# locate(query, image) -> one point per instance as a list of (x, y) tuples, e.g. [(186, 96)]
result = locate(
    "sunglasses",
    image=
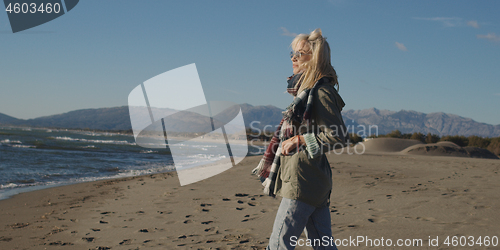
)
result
[(297, 54)]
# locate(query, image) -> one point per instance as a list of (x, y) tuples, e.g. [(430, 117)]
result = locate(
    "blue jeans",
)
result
[(292, 217)]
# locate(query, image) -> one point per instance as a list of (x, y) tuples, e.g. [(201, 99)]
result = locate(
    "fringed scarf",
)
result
[(298, 112)]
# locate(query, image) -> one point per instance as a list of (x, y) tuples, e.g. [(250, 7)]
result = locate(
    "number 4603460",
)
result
[(33, 8)]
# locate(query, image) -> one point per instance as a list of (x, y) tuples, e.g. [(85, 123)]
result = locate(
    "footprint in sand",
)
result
[(163, 212), (425, 218), (126, 242), (88, 239), (248, 219)]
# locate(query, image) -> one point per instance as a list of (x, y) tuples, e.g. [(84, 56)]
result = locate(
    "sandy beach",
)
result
[(394, 196)]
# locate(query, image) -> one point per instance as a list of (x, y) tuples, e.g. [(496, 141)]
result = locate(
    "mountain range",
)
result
[(258, 117), (409, 121)]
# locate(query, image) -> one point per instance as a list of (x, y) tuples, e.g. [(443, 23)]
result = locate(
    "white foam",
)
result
[(148, 152), (23, 146), (9, 185), (11, 142), (66, 138)]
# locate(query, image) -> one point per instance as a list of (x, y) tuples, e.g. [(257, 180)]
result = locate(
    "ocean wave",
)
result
[(205, 146), (88, 133), (12, 185), (15, 144), (148, 152), (66, 138), (9, 185), (23, 146), (7, 141), (154, 169), (207, 156)]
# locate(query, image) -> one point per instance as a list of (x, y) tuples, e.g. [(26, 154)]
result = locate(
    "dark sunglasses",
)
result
[(297, 54)]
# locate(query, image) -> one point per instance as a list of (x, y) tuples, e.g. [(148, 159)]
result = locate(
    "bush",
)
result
[(395, 134), (418, 136), (480, 142), (494, 145), (431, 138), (355, 138)]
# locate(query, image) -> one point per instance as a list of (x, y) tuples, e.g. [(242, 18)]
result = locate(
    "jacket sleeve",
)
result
[(328, 130)]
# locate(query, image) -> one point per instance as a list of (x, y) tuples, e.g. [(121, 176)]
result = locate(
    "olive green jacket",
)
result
[(306, 175)]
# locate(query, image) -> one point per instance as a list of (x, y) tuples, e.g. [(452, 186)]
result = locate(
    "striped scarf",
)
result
[(297, 113)]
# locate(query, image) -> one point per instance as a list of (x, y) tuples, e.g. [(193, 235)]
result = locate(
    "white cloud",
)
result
[(473, 23), (401, 46), (491, 36), (287, 33), (446, 21)]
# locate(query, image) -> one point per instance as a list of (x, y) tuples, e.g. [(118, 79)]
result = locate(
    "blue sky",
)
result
[(427, 56)]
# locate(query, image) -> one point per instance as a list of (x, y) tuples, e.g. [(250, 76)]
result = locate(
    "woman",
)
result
[(295, 165)]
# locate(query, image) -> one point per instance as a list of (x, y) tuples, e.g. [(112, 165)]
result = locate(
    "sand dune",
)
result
[(387, 144), (414, 147), (448, 149)]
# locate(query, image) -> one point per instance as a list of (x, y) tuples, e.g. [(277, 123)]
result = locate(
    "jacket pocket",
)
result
[(290, 164)]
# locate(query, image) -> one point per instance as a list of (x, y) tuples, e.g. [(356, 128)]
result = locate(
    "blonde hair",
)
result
[(320, 65)]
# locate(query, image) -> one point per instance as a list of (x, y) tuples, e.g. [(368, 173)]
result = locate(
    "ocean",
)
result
[(35, 158)]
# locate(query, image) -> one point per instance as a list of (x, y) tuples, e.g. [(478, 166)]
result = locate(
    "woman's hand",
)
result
[(292, 143)]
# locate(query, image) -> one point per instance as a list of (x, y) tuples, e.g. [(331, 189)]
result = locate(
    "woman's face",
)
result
[(298, 60)]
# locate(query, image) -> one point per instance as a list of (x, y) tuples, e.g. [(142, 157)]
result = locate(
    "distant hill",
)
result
[(406, 121), (102, 118), (5, 119), (263, 116)]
